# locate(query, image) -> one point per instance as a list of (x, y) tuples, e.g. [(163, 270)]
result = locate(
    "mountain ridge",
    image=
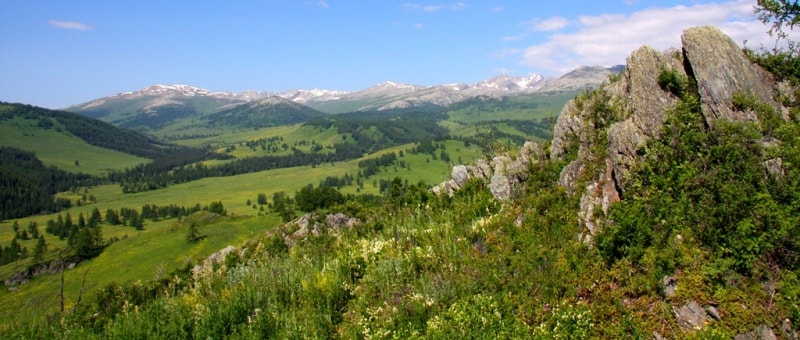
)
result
[(386, 95)]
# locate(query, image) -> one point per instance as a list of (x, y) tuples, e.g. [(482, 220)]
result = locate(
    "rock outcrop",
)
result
[(604, 132), (721, 69), (502, 174), (626, 113)]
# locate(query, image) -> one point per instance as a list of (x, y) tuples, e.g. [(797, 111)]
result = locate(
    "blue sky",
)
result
[(59, 53)]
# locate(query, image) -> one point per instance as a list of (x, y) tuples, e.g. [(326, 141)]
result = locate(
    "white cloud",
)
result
[(516, 37), (70, 25), (608, 39), (323, 3), (538, 25), (498, 9), (552, 24)]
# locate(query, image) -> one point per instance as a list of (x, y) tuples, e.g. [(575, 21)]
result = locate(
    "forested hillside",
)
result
[(93, 131), (28, 186)]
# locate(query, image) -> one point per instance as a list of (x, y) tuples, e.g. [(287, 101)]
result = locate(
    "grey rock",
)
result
[(589, 201), (722, 69), (339, 220), (460, 175), (207, 265), (762, 332), (503, 175), (775, 167), (690, 316), (670, 286), (713, 313), (569, 174), (640, 107), (646, 106), (500, 187), (569, 126), (786, 328)]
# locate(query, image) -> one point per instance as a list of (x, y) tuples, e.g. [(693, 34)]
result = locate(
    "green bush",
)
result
[(672, 82)]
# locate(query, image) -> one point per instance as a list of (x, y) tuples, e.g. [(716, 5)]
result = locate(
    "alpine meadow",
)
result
[(657, 199)]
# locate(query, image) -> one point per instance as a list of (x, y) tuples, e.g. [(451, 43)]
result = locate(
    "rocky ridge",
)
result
[(708, 58), (602, 134)]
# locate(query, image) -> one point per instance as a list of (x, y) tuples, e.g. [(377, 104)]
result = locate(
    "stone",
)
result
[(670, 286), (339, 220), (205, 267), (761, 332), (647, 105), (713, 313), (460, 175), (500, 187), (786, 328), (775, 167), (690, 316), (568, 126)]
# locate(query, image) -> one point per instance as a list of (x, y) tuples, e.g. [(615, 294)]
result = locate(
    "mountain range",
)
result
[(175, 101)]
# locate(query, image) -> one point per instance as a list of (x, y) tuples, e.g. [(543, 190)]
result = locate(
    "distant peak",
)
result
[(394, 84), (176, 88)]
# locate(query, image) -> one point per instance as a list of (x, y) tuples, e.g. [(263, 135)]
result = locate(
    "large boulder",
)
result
[(721, 69)]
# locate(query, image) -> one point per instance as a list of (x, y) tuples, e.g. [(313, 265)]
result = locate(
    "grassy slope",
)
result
[(61, 149), (162, 247), (533, 107)]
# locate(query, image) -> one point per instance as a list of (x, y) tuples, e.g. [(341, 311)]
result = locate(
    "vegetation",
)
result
[(27, 186), (714, 208), (93, 131)]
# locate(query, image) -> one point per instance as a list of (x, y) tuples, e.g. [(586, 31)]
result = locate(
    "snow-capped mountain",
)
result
[(389, 94), (508, 84), (304, 96)]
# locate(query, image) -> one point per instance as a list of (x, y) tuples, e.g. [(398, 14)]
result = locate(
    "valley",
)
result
[(450, 135), (661, 201)]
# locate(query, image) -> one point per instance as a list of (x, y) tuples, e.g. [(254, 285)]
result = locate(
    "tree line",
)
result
[(27, 185)]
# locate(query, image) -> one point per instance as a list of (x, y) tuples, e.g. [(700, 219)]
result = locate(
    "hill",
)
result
[(92, 131), (269, 112)]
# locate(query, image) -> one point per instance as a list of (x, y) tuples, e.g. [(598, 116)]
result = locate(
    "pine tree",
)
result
[(39, 250), (194, 233)]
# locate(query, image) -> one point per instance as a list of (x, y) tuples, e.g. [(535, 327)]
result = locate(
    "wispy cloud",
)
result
[(538, 25), (417, 25), (69, 25), (505, 53), (435, 8), (323, 3), (609, 38), (551, 24), (498, 9)]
